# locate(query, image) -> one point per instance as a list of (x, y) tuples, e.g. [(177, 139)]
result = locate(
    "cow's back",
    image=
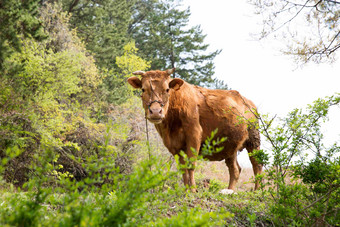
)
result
[(229, 112)]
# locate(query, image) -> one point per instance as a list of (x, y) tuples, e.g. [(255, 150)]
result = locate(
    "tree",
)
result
[(103, 25), (56, 73), (140, 10), (164, 38), (312, 26), (304, 171), (17, 19), (115, 87), (49, 104)]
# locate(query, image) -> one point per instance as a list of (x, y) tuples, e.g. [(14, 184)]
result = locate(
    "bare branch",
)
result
[(335, 2), (291, 19), (327, 49)]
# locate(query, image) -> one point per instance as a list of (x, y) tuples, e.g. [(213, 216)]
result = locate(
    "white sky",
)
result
[(257, 69)]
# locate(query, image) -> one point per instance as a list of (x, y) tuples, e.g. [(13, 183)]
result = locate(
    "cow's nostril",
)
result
[(160, 111), (150, 111)]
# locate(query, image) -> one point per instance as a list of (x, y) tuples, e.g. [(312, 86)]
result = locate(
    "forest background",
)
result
[(72, 133)]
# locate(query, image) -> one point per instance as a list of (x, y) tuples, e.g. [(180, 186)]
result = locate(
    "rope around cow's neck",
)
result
[(147, 137), (146, 120)]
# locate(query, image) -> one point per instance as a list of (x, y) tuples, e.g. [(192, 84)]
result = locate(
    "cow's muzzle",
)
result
[(155, 112)]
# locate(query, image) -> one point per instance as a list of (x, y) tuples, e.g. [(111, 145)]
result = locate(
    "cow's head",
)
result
[(157, 87)]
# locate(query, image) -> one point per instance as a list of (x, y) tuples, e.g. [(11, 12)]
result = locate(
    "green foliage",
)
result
[(209, 147), (133, 194), (102, 25), (49, 100), (24, 212), (261, 156), (215, 186), (316, 201), (69, 158), (164, 38), (74, 159), (47, 83), (18, 19), (212, 146), (252, 219), (159, 29), (63, 39), (116, 89), (316, 173), (129, 62), (196, 217), (125, 203), (47, 75)]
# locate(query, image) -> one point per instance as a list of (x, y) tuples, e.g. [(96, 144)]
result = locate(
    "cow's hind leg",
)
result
[(239, 167), (234, 171), (257, 167)]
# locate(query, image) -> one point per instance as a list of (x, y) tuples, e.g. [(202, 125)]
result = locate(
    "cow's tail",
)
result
[(253, 143), (254, 139)]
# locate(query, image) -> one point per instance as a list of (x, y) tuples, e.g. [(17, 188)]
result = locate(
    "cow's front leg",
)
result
[(193, 144), (188, 174), (185, 172), (191, 171), (192, 182)]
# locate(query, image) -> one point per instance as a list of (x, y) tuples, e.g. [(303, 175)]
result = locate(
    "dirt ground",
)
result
[(219, 171)]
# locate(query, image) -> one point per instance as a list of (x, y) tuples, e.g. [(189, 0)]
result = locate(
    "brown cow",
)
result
[(185, 115)]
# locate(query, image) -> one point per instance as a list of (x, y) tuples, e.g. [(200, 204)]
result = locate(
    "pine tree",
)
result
[(103, 25), (17, 18), (163, 36)]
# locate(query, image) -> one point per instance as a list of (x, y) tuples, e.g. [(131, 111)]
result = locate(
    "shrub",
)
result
[(305, 190)]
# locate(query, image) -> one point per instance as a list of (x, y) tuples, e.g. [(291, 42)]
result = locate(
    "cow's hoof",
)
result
[(227, 191), (193, 190)]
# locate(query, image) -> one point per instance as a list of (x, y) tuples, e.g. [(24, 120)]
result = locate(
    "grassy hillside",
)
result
[(73, 149)]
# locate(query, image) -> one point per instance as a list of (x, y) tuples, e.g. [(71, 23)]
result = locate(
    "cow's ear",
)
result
[(135, 82), (176, 83)]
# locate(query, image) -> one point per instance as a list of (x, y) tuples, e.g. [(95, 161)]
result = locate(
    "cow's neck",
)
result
[(171, 122)]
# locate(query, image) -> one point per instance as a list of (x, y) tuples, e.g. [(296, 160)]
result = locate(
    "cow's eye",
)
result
[(143, 89), (167, 90)]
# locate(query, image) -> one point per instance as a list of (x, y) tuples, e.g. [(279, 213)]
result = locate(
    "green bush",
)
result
[(303, 179), (137, 199)]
